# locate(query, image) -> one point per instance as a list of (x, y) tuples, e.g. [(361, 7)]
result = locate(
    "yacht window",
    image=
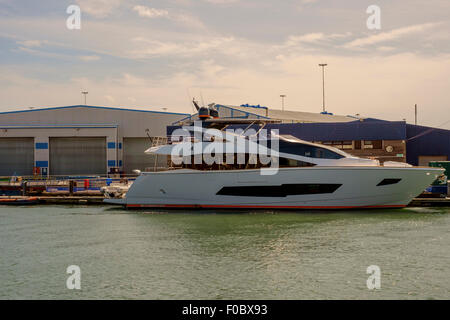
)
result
[(307, 150), (285, 162), (283, 190), (388, 181)]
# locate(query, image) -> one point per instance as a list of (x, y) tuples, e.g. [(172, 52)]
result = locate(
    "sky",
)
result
[(158, 55)]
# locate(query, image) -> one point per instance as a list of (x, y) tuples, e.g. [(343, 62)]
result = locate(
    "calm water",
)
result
[(223, 255)]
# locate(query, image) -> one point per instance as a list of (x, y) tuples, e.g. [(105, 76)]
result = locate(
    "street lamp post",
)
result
[(323, 65), (415, 114), (282, 101), (85, 94)]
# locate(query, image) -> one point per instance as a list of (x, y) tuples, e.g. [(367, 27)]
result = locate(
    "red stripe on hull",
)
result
[(214, 206)]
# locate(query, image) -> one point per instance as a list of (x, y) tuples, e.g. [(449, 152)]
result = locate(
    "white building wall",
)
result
[(131, 123), (112, 123)]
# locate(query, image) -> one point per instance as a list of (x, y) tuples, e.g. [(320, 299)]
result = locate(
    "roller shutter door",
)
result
[(16, 156), (77, 155), (135, 158)]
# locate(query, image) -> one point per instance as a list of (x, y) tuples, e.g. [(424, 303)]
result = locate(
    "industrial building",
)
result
[(362, 137), (80, 140), (91, 140)]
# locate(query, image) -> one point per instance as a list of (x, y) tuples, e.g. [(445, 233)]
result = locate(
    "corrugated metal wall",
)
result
[(77, 155), (135, 158), (16, 156)]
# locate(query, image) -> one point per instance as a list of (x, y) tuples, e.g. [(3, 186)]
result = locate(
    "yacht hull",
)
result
[(290, 188)]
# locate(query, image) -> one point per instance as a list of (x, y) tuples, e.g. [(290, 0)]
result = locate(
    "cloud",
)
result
[(147, 12), (390, 35), (383, 86), (181, 18), (31, 43), (98, 8), (150, 47), (221, 1), (89, 58), (314, 38), (304, 3), (110, 99)]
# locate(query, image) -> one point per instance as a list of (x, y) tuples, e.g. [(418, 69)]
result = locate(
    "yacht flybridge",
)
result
[(213, 167)]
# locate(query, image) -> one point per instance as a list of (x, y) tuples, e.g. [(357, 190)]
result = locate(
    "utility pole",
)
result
[(415, 114), (323, 65), (85, 94), (282, 101)]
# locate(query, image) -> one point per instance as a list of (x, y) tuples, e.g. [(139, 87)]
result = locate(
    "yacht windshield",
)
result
[(307, 150)]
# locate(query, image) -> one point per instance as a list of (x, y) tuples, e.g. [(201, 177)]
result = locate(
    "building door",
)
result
[(135, 158), (16, 156), (77, 156), (425, 160)]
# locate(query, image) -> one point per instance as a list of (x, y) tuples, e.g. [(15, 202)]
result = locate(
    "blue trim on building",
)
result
[(111, 145), (42, 164), (111, 163), (120, 145), (188, 117), (94, 107), (120, 163), (41, 145)]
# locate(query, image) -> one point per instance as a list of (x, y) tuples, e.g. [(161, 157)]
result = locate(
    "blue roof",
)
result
[(335, 131), (339, 131), (426, 141), (94, 107)]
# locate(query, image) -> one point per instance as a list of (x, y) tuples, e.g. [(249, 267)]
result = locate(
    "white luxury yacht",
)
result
[(298, 175)]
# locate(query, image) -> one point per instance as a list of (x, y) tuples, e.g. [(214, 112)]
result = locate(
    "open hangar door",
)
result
[(16, 156), (77, 155), (135, 158)]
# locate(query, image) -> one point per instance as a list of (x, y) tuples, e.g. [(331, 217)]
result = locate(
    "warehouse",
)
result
[(80, 140), (92, 140), (362, 137)]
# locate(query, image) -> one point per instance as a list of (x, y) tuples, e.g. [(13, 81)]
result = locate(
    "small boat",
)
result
[(115, 190), (19, 201)]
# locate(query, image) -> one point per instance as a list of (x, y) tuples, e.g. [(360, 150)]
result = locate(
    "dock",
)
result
[(89, 192), (82, 200), (430, 202), (97, 199)]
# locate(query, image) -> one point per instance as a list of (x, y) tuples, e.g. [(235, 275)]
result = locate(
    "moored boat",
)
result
[(299, 175)]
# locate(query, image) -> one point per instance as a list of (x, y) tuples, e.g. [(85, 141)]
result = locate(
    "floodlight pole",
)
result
[(323, 65), (85, 94), (282, 101)]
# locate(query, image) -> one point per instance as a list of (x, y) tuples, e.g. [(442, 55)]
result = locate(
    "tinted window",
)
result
[(283, 190), (307, 150)]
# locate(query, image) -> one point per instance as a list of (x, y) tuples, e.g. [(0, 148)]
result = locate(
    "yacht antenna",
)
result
[(201, 96), (189, 98), (195, 104)]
